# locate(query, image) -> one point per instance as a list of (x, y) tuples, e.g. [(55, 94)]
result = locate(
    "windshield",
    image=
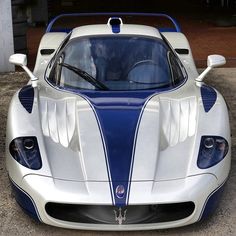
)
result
[(115, 63)]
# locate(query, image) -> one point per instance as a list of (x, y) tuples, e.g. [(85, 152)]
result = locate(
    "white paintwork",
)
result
[(212, 62), (48, 41), (124, 30), (71, 143), (44, 189), (18, 59), (179, 41), (21, 60), (58, 120), (168, 125), (6, 32), (117, 18), (215, 60), (73, 138)]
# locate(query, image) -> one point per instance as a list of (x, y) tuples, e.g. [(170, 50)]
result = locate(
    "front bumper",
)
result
[(196, 189)]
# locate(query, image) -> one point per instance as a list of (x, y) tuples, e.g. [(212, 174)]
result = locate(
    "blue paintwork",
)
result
[(167, 29), (118, 117), (26, 97), (120, 191), (110, 14), (115, 27), (212, 202), (25, 201), (209, 97), (118, 114)]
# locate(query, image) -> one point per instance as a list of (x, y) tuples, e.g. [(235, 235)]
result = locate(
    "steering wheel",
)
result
[(140, 63)]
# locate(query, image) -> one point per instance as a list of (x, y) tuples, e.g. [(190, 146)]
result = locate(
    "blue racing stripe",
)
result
[(116, 29), (118, 114), (118, 117)]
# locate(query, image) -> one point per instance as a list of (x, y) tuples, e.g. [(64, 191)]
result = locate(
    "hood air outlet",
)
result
[(115, 23)]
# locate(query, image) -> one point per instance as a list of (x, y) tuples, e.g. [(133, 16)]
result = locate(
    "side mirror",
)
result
[(18, 59), (215, 61), (212, 62), (21, 60)]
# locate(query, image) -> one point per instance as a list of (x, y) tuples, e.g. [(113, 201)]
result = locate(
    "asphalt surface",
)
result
[(13, 221)]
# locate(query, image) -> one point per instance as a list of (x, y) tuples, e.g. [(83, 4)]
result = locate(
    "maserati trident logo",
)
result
[(120, 215), (120, 191)]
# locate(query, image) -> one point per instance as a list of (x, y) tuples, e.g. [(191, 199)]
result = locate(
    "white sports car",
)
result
[(116, 130)]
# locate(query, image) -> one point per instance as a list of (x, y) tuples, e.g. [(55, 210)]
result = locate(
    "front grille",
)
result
[(133, 214)]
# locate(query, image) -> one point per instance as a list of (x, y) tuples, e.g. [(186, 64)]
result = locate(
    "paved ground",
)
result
[(14, 222)]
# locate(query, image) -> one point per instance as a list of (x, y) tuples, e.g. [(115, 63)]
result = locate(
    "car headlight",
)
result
[(212, 150), (25, 150)]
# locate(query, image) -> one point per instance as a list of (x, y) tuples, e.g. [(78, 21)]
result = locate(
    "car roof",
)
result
[(106, 29)]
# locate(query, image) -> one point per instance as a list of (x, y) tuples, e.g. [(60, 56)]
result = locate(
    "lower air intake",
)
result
[(133, 214)]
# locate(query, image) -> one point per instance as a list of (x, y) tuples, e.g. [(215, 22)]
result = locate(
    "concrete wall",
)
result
[(6, 36)]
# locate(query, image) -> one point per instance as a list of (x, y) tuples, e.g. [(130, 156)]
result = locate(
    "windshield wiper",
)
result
[(83, 74)]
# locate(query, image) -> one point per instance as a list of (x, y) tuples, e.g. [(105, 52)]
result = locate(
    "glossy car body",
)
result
[(144, 146)]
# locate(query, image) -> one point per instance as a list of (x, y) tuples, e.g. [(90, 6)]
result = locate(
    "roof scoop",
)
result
[(115, 23)]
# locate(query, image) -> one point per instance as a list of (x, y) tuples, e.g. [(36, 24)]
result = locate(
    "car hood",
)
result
[(119, 139)]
